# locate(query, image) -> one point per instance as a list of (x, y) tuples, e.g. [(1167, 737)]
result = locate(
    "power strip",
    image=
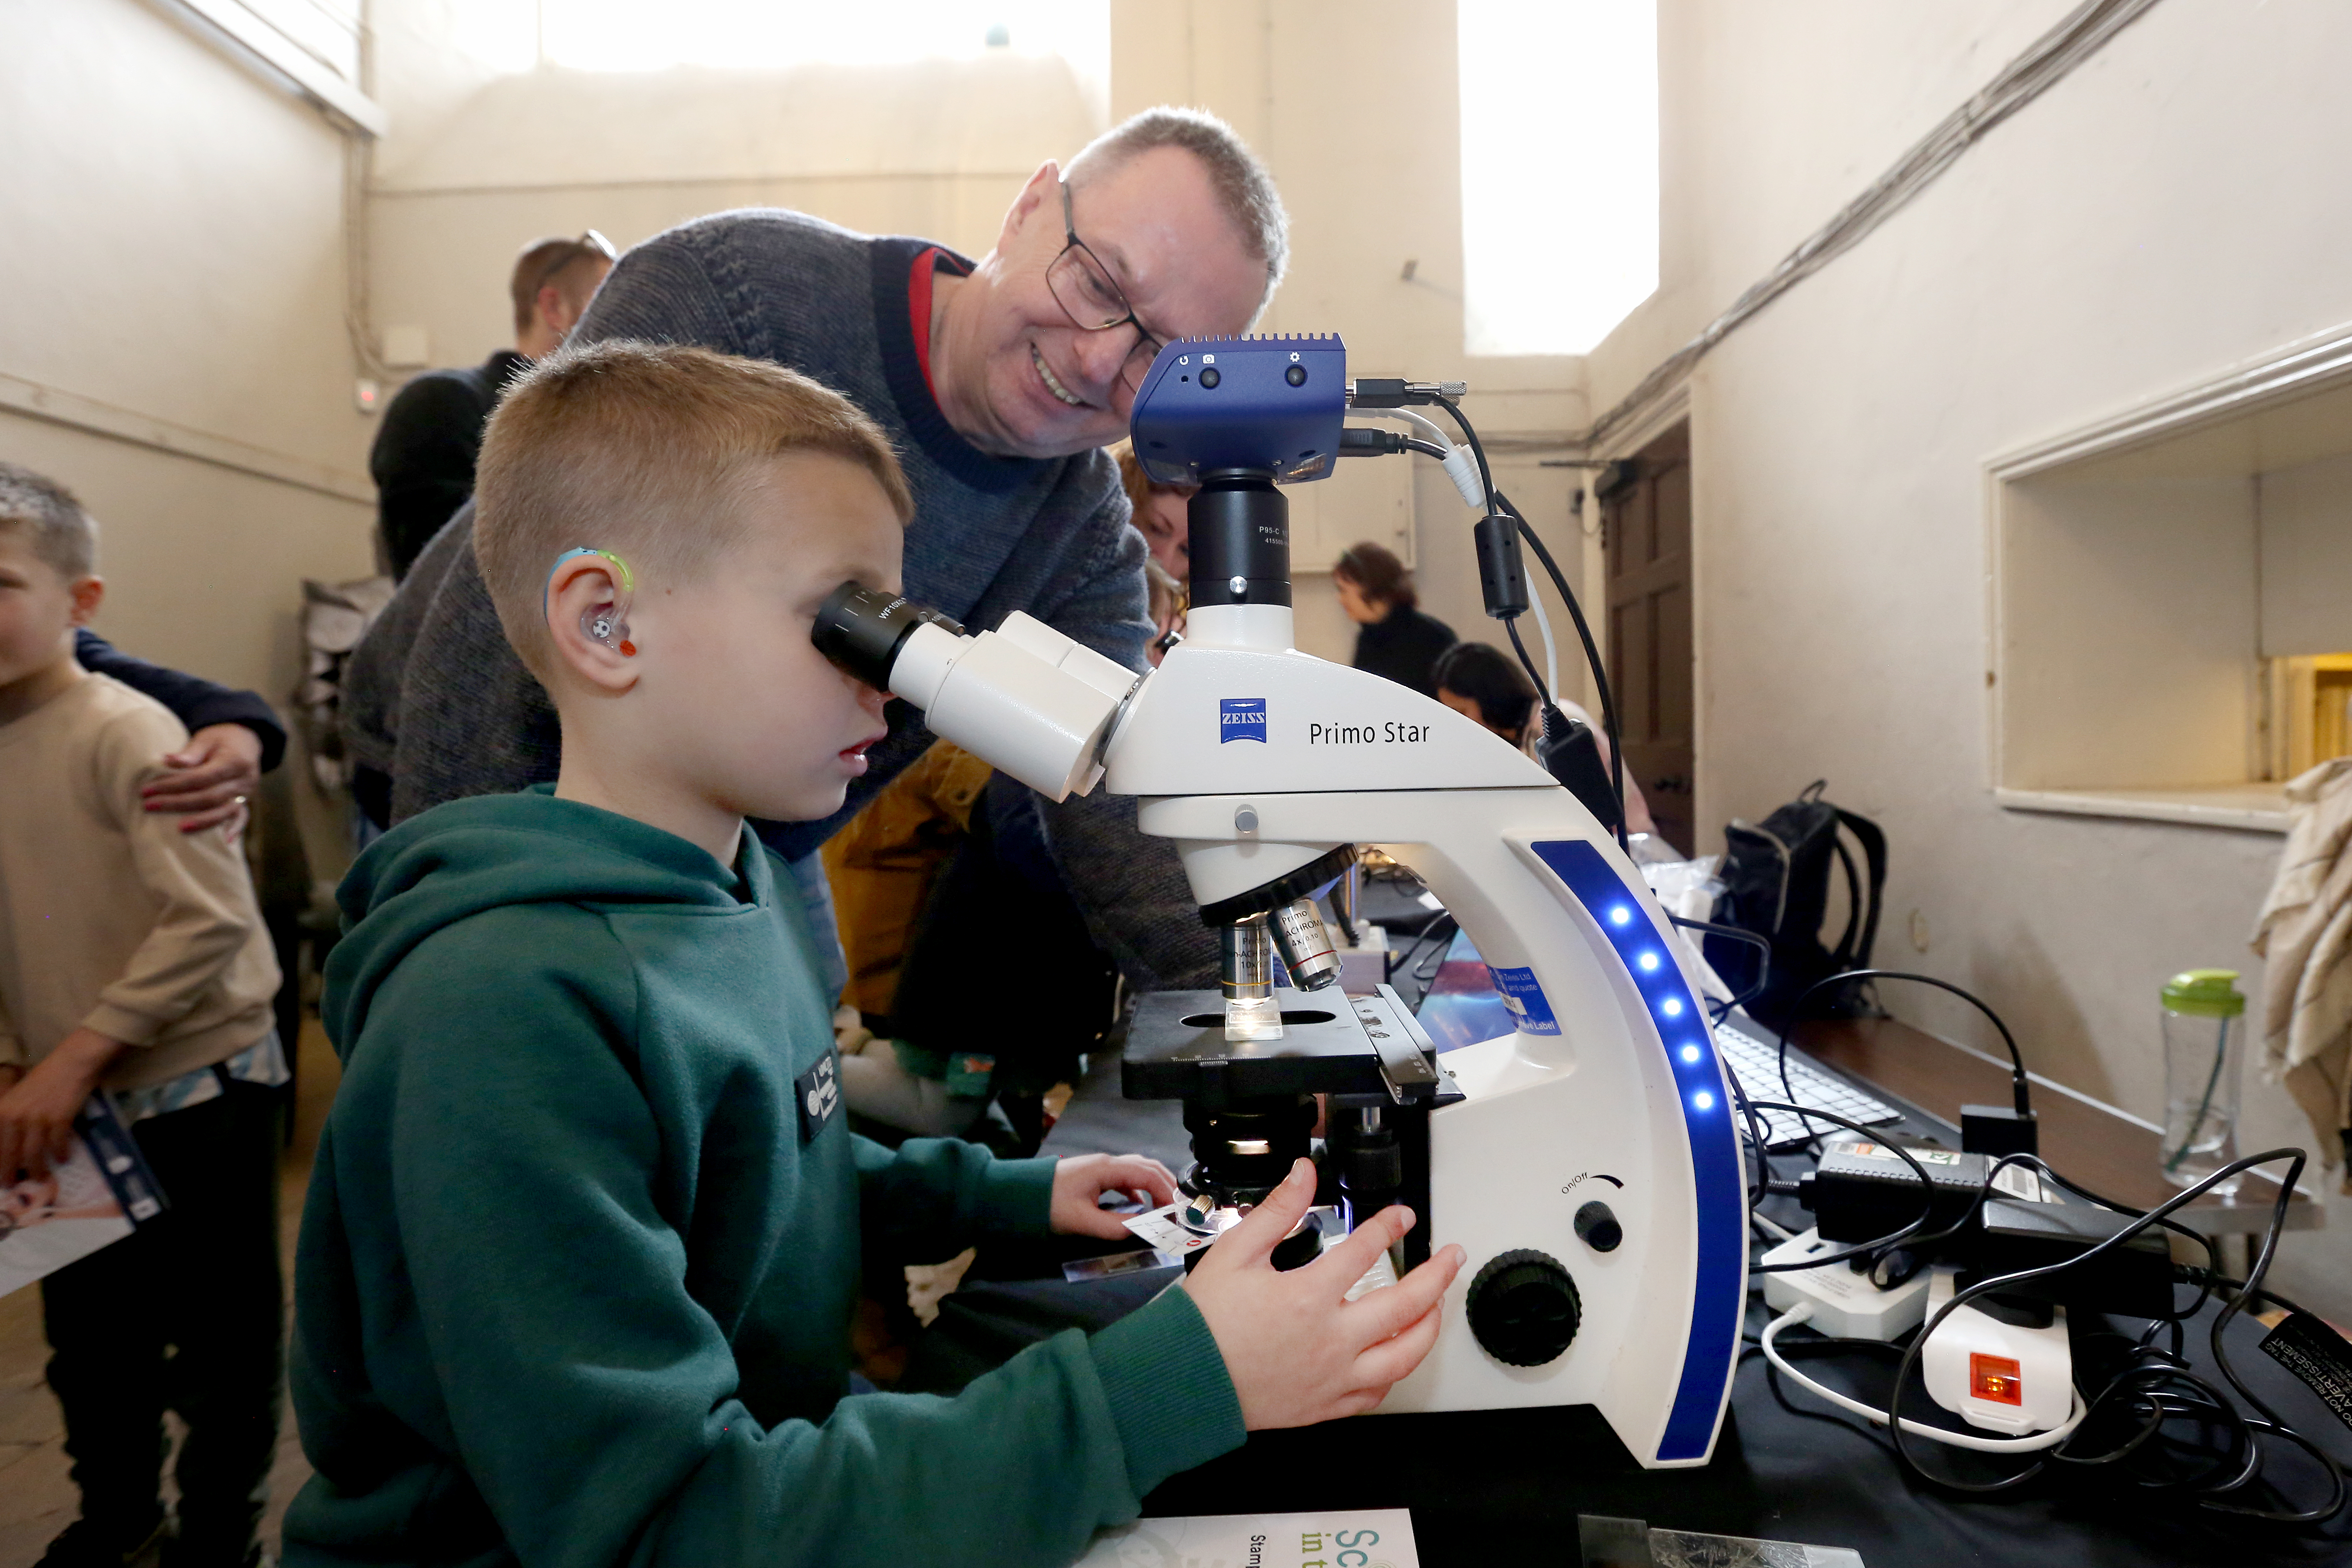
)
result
[(1845, 1304)]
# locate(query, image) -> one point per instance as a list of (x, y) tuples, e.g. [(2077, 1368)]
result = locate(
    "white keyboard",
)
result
[(1755, 1063)]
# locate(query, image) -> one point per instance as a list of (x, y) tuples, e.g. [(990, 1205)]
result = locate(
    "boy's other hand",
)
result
[(1082, 1179), (37, 1115), (212, 777), (1297, 1350)]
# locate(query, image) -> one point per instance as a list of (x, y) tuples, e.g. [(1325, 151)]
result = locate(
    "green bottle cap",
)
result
[(2204, 994)]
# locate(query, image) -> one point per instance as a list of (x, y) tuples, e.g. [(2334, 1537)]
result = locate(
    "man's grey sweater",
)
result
[(436, 699)]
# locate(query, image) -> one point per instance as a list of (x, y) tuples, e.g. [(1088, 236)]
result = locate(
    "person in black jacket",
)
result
[(1394, 640), (233, 738), (423, 459)]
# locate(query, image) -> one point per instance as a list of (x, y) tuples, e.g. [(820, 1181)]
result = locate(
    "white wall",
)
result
[(172, 269), (2165, 213), (2306, 557), (487, 154)]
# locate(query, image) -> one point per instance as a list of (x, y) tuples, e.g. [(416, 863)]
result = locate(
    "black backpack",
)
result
[(1777, 873)]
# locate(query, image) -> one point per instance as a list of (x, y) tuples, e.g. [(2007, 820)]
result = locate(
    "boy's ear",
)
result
[(86, 593), (582, 589)]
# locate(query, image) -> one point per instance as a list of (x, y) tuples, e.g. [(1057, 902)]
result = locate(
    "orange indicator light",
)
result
[(1995, 1378)]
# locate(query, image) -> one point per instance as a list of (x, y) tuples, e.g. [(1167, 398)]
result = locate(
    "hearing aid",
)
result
[(606, 624)]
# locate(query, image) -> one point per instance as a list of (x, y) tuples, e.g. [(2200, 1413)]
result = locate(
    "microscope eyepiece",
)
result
[(861, 629)]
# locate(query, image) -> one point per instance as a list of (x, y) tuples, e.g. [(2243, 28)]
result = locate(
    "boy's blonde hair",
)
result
[(60, 533), (647, 450)]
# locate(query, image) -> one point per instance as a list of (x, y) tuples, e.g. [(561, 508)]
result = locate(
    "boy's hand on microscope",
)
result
[(1297, 1350), (36, 1114), (1081, 1180)]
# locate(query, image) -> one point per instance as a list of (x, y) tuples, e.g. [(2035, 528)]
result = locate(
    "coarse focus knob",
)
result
[(1597, 1227), (1523, 1307)]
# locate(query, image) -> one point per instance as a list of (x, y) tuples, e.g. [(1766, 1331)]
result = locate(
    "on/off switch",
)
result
[(1597, 1227)]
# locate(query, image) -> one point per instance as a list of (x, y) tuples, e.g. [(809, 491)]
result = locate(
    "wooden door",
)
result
[(1646, 513)]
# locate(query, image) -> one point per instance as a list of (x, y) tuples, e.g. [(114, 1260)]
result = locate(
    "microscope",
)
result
[(1589, 1162)]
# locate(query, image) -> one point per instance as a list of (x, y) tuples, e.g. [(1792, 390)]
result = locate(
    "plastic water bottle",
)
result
[(2204, 1016)]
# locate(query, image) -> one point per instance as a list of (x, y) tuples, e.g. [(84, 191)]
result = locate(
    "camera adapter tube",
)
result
[(1024, 699)]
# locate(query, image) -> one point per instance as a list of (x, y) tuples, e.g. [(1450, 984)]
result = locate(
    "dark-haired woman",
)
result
[(1393, 638), (1487, 686)]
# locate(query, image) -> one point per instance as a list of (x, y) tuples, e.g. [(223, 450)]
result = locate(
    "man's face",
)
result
[(755, 718), (1036, 384), (39, 606)]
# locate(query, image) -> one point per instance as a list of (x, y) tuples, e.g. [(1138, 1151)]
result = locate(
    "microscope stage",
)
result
[(1331, 1043)]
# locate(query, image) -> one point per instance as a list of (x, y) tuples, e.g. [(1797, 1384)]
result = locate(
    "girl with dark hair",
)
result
[(1396, 640)]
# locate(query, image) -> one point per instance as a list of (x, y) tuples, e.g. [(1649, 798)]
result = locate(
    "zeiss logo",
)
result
[(1241, 718)]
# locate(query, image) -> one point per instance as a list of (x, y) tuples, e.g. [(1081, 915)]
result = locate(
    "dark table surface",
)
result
[(1506, 1487)]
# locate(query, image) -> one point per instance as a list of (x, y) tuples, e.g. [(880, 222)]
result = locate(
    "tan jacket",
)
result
[(111, 917)]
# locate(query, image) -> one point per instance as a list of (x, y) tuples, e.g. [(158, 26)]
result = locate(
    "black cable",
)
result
[(1884, 1243), (1497, 502), (1734, 933), (2269, 1421), (2019, 1088), (1609, 723)]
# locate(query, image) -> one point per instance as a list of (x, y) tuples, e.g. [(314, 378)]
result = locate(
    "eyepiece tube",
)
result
[(862, 630), (1024, 699)]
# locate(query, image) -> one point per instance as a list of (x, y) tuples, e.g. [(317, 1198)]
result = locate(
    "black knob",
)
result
[(1598, 1228), (1296, 375), (1209, 377), (1523, 1307)]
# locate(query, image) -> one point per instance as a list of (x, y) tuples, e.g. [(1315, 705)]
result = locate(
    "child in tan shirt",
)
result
[(132, 957)]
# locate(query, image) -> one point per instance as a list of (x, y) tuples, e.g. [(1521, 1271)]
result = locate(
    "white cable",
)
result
[(1551, 648), (1803, 1310), (1772, 1226), (1461, 464)]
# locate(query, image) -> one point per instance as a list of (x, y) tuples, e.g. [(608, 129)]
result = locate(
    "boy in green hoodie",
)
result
[(586, 1226)]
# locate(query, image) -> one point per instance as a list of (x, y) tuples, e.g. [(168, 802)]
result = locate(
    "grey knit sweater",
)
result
[(436, 697)]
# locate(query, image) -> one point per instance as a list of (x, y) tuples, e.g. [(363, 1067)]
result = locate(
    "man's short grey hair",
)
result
[(63, 535), (1242, 186)]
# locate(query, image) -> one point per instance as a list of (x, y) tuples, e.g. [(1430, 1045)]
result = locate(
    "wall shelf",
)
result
[(2249, 807)]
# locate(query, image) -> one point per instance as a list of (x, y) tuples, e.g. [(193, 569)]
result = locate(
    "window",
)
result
[(2169, 618), (1560, 171), (752, 35)]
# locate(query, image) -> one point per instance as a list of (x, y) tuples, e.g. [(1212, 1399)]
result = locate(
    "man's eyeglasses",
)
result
[(1093, 299), (587, 245)]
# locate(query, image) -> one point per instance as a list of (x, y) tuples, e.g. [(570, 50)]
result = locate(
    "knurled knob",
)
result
[(1523, 1307)]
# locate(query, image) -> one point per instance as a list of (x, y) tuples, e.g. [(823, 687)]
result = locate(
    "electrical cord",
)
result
[(2020, 1089), (1803, 1311), (2249, 1430), (1498, 504), (1871, 1249), (1609, 723), (1733, 933)]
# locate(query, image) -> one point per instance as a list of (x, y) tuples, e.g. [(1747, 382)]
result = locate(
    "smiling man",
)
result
[(998, 381)]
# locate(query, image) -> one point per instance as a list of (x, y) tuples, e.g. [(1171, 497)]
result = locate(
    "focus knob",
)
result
[(1523, 1307)]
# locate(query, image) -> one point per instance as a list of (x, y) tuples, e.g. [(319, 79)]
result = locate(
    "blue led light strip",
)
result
[(1643, 947)]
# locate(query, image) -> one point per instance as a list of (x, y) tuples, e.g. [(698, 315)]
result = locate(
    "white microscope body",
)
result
[(1610, 1090), (1589, 1163)]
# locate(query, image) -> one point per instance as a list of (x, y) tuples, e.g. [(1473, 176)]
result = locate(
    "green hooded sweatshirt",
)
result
[(579, 1259)]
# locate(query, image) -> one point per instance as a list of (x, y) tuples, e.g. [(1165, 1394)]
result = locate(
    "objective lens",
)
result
[(1305, 945)]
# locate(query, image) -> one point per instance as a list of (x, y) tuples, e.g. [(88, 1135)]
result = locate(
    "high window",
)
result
[(1560, 171)]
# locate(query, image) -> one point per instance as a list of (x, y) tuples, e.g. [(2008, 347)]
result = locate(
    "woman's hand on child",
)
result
[(1081, 1179), (37, 1115), (1297, 1350), (212, 777)]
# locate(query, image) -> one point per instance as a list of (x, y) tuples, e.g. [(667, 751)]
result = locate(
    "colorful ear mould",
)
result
[(606, 624)]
